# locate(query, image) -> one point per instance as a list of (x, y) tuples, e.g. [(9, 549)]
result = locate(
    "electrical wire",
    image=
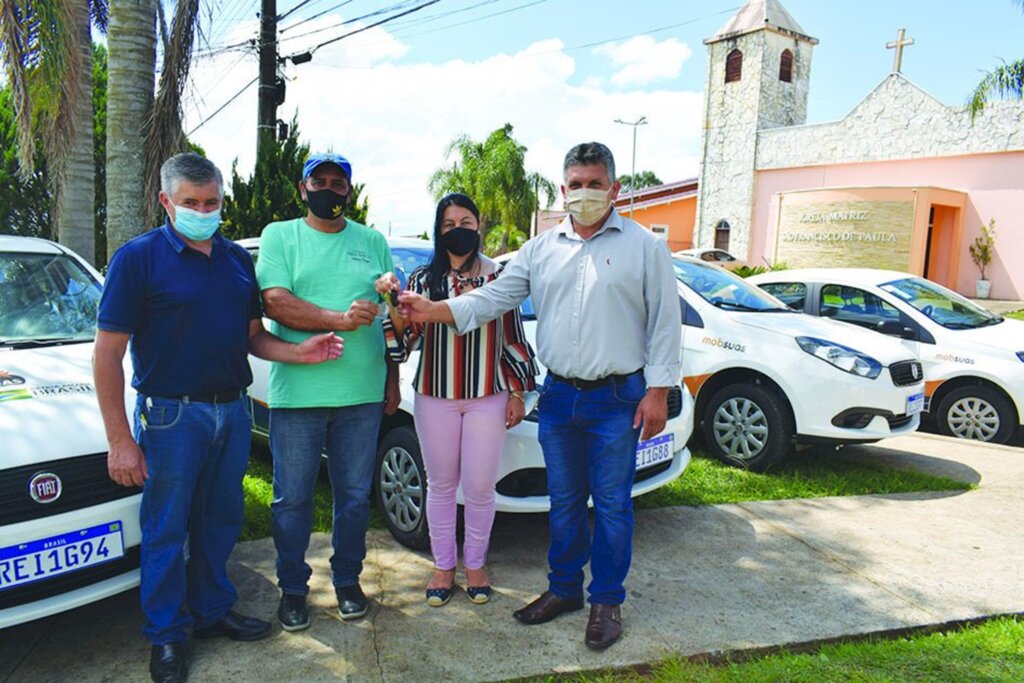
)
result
[(223, 106), (315, 16)]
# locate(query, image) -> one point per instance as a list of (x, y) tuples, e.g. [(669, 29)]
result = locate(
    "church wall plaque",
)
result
[(845, 234)]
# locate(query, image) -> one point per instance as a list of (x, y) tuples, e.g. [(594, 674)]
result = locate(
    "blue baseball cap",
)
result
[(314, 160)]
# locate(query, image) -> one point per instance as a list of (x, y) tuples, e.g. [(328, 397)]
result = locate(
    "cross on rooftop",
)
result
[(898, 44)]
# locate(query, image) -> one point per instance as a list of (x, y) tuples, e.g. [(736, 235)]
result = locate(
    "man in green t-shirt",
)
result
[(317, 273)]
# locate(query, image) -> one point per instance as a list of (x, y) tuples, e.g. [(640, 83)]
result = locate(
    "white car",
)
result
[(719, 257), (68, 534), (973, 359), (764, 376), (399, 477)]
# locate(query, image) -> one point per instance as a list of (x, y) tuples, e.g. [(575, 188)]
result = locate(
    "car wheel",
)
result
[(400, 487), (977, 412), (746, 425)]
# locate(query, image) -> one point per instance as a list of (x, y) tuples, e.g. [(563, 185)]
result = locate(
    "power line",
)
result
[(223, 106), (375, 24), (385, 10), (315, 16), (300, 6)]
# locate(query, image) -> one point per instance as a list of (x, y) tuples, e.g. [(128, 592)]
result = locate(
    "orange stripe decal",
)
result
[(695, 382), (930, 387)]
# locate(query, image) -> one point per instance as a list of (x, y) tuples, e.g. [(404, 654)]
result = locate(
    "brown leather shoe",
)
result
[(547, 607), (604, 626)]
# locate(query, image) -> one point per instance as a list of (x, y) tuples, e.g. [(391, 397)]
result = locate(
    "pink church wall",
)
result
[(994, 184)]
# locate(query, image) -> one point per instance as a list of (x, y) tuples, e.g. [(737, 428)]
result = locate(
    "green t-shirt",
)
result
[(330, 270)]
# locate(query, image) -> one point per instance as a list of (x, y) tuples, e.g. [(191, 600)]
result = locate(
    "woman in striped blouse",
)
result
[(469, 390)]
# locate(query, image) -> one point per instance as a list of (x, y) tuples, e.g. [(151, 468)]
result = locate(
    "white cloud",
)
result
[(393, 121), (642, 60)]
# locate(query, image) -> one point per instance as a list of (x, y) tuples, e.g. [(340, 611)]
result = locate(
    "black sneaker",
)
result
[(292, 612), (351, 602)]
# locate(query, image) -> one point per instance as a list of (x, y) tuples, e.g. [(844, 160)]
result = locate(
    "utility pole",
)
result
[(642, 121), (270, 91)]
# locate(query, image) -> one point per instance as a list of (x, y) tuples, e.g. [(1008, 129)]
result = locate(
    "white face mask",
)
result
[(586, 205)]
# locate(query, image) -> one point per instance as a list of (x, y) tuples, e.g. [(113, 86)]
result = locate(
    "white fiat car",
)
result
[(399, 477), (973, 359), (764, 376), (68, 534)]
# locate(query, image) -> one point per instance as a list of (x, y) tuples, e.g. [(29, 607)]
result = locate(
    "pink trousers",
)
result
[(461, 440)]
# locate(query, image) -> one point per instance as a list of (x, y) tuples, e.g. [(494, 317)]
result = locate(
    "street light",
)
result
[(642, 121)]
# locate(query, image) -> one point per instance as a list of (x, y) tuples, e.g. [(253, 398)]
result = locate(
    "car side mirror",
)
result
[(894, 328), (829, 312)]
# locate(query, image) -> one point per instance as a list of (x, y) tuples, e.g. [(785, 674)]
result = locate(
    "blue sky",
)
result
[(393, 96)]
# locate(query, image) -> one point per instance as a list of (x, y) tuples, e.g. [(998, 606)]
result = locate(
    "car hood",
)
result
[(48, 408), (883, 349), (1006, 336)]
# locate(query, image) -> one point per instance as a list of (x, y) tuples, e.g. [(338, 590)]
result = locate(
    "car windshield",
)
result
[(945, 307), (723, 289), (46, 298)]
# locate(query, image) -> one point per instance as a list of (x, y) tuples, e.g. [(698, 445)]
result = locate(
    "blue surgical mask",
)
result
[(196, 225)]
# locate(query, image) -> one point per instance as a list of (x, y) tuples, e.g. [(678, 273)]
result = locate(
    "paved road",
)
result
[(707, 579)]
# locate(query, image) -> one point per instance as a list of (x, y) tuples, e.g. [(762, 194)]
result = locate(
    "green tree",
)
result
[(271, 193), (493, 174), (45, 48), (1005, 81), (26, 203), (640, 181)]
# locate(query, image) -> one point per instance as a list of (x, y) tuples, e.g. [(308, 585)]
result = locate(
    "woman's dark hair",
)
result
[(437, 269)]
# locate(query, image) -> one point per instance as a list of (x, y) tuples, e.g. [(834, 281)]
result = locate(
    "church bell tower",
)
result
[(759, 67)]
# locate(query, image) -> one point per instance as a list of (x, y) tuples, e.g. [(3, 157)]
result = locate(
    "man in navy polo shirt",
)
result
[(188, 300)]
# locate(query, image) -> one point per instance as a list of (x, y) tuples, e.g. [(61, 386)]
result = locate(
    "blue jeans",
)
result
[(197, 454), (589, 448), (298, 437)]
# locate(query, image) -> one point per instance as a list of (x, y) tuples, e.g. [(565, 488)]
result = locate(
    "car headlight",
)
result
[(842, 357), (1020, 354)]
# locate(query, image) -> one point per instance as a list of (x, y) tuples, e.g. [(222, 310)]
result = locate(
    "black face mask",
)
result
[(460, 241), (326, 204)]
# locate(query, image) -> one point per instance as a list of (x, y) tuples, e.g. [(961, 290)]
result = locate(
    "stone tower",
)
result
[(759, 67)]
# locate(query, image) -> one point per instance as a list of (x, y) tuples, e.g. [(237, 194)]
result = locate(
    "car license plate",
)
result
[(653, 451), (915, 404), (49, 557)]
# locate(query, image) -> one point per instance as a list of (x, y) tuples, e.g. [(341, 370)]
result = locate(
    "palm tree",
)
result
[(492, 172), (142, 131), (131, 63), (1005, 81), (46, 50)]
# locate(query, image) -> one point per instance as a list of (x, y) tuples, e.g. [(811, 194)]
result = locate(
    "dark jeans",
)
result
[(590, 451), (298, 439), (197, 454)]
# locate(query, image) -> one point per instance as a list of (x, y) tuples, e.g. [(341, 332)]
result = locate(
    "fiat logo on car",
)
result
[(45, 487), (915, 371)]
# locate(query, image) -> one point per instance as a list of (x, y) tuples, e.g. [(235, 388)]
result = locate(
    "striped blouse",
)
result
[(494, 358)]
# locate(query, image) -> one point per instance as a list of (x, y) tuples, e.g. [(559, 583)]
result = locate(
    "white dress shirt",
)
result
[(605, 305)]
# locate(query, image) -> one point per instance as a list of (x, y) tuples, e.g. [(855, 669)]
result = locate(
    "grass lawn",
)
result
[(802, 475), (1019, 315), (992, 651)]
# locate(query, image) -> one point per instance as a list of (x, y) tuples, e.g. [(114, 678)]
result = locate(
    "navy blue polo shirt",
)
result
[(188, 313)]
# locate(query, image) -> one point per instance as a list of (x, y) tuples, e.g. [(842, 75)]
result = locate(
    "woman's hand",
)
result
[(515, 411), (387, 283)]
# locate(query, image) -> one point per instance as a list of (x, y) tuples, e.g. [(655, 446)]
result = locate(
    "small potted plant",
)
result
[(982, 249)]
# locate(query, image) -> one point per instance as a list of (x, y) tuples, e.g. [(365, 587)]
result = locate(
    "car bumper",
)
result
[(827, 400), (523, 456), (48, 596)]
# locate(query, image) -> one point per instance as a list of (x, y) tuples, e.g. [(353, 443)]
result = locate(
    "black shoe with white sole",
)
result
[(292, 612), (351, 602)]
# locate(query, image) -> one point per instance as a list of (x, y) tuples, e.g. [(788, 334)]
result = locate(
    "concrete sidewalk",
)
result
[(708, 579)]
